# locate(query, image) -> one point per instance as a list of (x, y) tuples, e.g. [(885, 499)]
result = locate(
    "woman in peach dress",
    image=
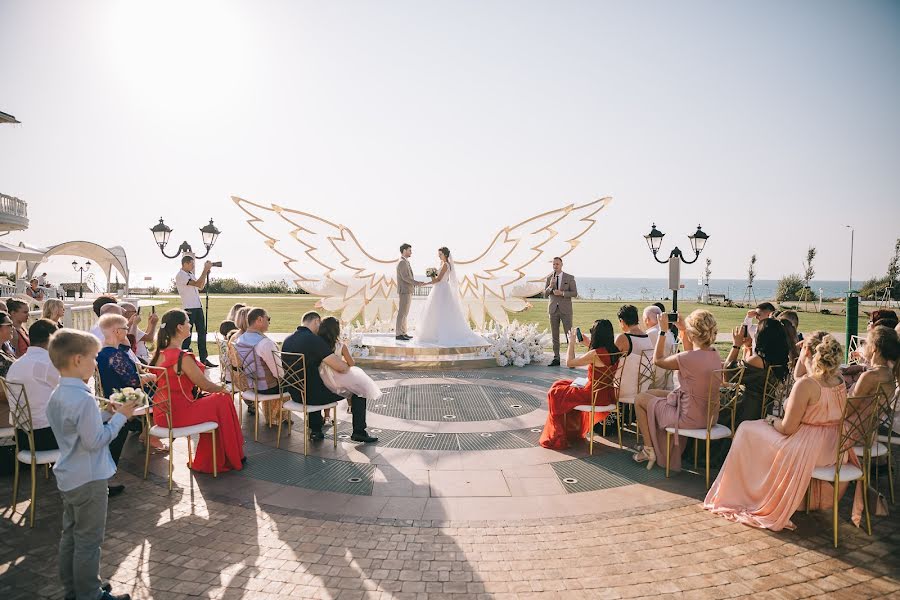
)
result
[(769, 468)]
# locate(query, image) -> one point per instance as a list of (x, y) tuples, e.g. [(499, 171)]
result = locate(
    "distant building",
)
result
[(13, 212)]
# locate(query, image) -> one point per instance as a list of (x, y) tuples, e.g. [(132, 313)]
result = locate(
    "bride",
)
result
[(443, 320)]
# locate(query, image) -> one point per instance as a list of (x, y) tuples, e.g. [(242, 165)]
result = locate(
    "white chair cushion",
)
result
[(297, 407), (599, 409), (894, 439), (718, 432), (6, 432), (251, 396), (878, 449), (848, 473), (177, 432), (42, 457)]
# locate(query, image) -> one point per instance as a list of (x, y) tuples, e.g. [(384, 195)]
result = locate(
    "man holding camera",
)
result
[(189, 288)]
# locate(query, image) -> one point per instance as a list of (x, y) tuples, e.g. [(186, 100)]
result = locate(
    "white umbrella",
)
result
[(17, 253)]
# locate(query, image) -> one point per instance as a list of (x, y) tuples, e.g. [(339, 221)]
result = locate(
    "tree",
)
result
[(808, 265), (751, 271), (790, 287), (894, 266), (707, 272)]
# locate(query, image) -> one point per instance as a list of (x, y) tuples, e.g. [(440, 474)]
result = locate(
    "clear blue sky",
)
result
[(771, 123)]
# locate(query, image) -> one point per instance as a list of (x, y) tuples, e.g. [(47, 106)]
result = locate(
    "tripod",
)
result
[(749, 295)]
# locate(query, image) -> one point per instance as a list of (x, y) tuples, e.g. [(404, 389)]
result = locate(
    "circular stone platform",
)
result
[(454, 402)]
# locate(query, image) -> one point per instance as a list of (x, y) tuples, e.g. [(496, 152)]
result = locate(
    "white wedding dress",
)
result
[(443, 320)]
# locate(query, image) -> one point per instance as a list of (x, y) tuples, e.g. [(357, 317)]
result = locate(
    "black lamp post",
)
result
[(82, 269), (654, 241), (161, 232)]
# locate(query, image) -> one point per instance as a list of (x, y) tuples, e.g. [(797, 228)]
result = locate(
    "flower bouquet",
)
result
[(135, 396), (431, 272)]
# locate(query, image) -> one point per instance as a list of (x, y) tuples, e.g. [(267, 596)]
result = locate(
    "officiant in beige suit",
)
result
[(406, 284), (560, 288)]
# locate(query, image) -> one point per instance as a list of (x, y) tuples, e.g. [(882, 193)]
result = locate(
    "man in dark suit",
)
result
[(306, 341)]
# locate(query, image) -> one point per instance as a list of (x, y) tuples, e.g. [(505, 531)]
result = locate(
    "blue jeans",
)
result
[(83, 526)]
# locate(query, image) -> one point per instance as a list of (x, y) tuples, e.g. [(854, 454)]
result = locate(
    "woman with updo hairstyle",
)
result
[(767, 473), (194, 399), (687, 406)]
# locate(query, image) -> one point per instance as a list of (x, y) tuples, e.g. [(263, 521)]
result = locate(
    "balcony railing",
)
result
[(11, 205)]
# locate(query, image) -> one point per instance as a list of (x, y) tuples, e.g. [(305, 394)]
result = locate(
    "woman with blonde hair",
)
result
[(766, 475), (686, 406), (54, 309)]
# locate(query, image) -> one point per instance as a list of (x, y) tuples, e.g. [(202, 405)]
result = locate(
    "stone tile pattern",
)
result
[(187, 544)]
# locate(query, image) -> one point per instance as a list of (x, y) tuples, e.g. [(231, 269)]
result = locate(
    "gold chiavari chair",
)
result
[(294, 365), (601, 380), (226, 371), (725, 391), (21, 418), (857, 428), (775, 390), (246, 377), (645, 376), (885, 436), (162, 405)]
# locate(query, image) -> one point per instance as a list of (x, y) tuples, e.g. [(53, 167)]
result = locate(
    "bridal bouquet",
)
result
[(134, 395), (431, 272), (516, 344), (352, 336)]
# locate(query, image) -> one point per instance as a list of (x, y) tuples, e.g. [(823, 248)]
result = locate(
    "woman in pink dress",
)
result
[(564, 423), (766, 474), (685, 407), (184, 372)]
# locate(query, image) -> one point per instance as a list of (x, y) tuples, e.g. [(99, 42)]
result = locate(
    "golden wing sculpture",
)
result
[(353, 282)]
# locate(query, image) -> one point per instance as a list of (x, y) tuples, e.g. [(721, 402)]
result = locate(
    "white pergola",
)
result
[(106, 259)]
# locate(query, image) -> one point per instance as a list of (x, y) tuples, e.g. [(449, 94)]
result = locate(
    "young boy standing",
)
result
[(84, 464)]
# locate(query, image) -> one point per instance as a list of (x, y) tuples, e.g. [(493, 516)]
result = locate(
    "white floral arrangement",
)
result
[(516, 344), (135, 396), (352, 337), (431, 272)]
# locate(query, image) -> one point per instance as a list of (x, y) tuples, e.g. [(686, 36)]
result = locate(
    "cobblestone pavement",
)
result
[(186, 544)]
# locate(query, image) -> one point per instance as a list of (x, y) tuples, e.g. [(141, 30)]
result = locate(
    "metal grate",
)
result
[(600, 472), (453, 403), (310, 472)]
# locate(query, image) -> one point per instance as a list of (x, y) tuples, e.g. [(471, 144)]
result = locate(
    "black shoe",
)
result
[(250, 410), (210, 365), (115, 490), (598, 428), (363, 437), (316, 436), (106, 587), (408, 337), (554, 362), (402, 338), (109, 596), (244, 460)]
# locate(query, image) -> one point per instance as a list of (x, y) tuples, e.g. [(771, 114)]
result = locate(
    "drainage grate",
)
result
[(456, 402), (610, 469), (310, 472)]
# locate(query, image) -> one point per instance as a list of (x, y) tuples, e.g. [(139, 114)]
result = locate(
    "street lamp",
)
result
[(82, 269), (209, 234), (850, 283), (654, 242)]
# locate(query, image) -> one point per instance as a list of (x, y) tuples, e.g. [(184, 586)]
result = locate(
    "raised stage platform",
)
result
[(386, 352)]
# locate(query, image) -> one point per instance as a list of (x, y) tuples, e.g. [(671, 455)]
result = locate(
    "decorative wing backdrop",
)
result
[(354, 282)]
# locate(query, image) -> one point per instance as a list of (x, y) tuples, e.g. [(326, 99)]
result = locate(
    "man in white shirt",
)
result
[(39, 378), (189, 288), (264, 347), (651, 315)]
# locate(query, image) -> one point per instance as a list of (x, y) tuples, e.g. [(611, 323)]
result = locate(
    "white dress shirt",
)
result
[(190, 294), (39, 378)]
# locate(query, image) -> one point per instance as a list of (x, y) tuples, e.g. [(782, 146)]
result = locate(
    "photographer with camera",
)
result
[(189, 287)]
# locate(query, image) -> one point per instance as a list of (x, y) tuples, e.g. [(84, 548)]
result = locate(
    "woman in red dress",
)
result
[(184, 372), (564, 423)]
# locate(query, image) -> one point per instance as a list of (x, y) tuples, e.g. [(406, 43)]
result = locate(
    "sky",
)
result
[(436, 123)]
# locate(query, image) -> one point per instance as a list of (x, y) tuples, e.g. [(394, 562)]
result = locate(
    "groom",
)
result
[(406, 283), (560, 288)]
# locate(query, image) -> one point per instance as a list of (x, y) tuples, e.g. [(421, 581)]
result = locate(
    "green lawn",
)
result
[(286, 313)]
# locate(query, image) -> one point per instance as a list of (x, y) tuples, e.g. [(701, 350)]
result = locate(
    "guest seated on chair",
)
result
[(564, 423), (7, 354), (209, 403), (39, 378), (34, 290), (305, 340), (108, 308), (233, 311), (686, 406), (355, 381), (18, 312), (772, 349), (225, 328), (265, 370), (54, 309), (770, 466)]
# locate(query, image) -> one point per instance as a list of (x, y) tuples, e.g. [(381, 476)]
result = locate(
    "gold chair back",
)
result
[(775, 389), (160, 392), (856, 344), (294, 365), (857, 425), (20, 410), (246, 368), (646, 374), (607, 378), (726, 390)]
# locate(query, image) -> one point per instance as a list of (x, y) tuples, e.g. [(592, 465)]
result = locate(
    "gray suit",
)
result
[(560, 307), (406, 283)]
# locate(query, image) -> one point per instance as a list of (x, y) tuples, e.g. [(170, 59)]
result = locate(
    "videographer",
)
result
[(189, 288)]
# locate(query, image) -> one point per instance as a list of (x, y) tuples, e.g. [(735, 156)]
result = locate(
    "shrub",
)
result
[(873, 289), (230, 285), (790, 287)]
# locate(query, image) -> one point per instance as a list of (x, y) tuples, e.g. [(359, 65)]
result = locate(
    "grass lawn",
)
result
[(286, 313)]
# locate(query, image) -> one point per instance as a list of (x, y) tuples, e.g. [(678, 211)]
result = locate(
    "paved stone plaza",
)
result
[(456, 499)]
